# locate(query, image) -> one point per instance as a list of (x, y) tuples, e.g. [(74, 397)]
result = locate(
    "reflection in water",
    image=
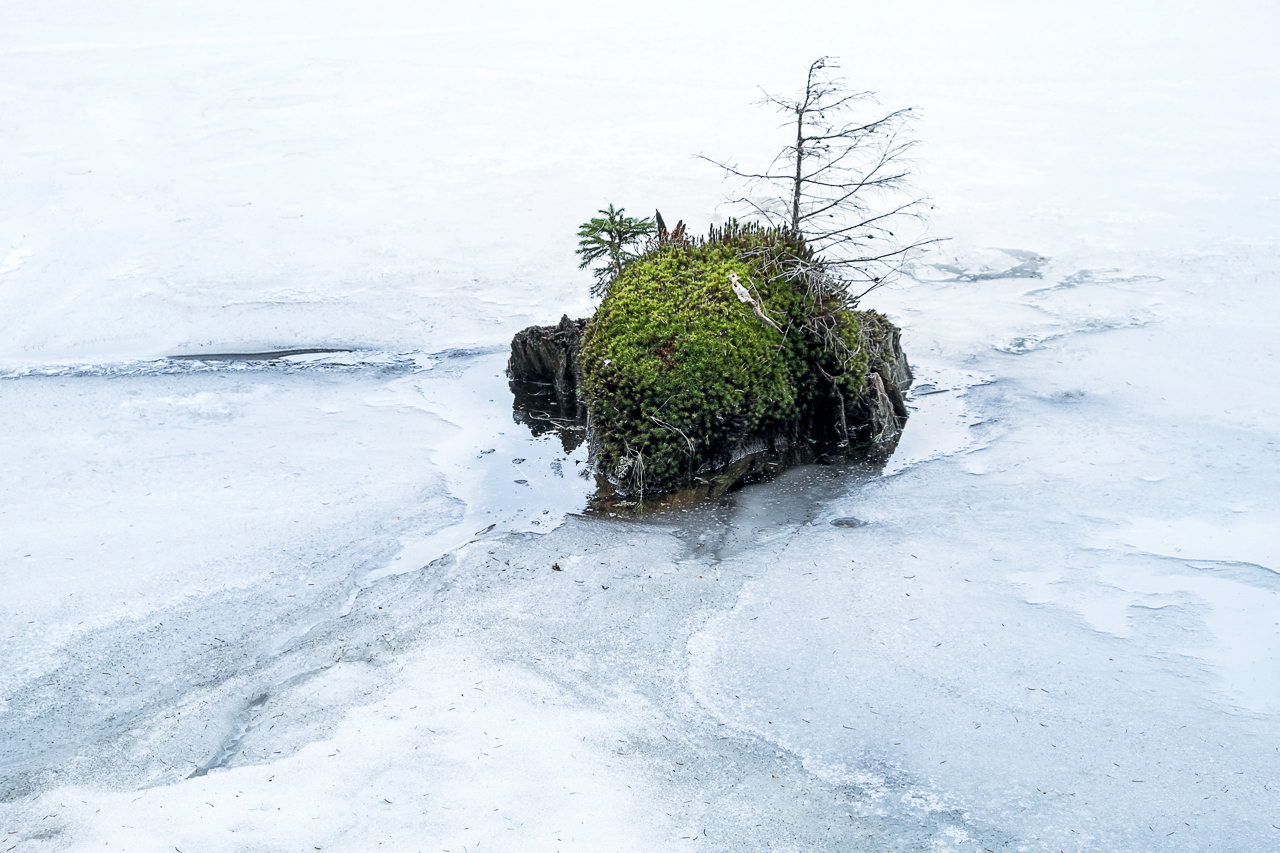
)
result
[(543, 411)]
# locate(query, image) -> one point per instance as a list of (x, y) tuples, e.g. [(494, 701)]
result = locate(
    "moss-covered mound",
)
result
[(704, 350)]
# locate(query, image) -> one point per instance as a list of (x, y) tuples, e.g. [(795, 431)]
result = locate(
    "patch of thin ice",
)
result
[(939, 424)]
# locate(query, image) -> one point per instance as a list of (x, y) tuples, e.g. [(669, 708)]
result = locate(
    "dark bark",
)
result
[(550, 355)]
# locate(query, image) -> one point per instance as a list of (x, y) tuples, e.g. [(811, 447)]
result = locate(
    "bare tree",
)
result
[(842, 183)]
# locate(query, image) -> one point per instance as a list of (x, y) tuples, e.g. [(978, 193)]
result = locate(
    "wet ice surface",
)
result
[(237, 508), (312, 600), (1044, 631)]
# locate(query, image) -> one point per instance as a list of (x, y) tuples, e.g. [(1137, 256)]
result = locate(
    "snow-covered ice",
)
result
[(342, 599)]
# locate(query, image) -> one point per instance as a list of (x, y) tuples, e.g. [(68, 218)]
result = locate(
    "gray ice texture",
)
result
[(329, 594)]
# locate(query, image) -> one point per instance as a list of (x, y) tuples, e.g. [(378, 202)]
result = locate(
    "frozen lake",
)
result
[(342, 598)]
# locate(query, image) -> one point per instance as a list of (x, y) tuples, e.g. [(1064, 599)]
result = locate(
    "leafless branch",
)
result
[(838, 181)]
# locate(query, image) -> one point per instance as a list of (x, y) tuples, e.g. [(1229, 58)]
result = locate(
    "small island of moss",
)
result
[(718, 359)]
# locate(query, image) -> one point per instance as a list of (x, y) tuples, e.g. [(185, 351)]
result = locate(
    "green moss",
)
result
[(678, 371)]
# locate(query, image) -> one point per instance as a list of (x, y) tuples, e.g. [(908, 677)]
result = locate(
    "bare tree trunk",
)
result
[(795, 191)]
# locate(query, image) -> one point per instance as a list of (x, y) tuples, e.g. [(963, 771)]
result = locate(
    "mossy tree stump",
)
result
[(708, 359)]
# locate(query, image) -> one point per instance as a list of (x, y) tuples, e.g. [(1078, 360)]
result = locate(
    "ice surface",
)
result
[(340, 599)]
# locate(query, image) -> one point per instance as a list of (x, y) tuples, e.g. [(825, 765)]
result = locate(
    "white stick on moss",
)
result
[(745, 296)]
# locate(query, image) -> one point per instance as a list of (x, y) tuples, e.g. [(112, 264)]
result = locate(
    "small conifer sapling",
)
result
[(610, 237)]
